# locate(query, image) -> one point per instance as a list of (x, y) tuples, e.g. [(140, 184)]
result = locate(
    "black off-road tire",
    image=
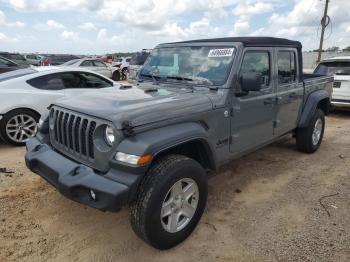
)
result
[(146, 209), (116, 75), (304, 135)]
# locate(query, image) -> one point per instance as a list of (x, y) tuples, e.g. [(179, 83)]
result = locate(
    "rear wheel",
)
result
[(170, 202), (18, 126), (309, 139)]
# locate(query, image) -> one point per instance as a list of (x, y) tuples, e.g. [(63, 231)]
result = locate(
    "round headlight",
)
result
[(109, 135)]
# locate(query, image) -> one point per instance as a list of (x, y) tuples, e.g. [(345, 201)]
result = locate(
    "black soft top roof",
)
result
[(252, 41)]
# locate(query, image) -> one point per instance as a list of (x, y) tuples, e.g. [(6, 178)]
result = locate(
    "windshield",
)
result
[(16, 73), (139, 59), (211, 65), (71, 62), (331, 68)]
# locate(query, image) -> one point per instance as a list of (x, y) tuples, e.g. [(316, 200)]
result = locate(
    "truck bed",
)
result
[(314, 82)]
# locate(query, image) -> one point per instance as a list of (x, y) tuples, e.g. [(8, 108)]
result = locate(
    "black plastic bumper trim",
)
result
[(75, 180)]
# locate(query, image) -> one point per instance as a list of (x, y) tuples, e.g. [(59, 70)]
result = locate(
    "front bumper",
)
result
[(74, 180)]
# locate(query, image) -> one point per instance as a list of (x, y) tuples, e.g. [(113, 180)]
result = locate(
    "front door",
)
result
[(253, 115)]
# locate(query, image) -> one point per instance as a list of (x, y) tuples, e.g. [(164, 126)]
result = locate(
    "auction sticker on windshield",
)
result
[(221, 52)]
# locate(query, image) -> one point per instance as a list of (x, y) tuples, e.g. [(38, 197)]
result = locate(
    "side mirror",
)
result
[(251, 81)]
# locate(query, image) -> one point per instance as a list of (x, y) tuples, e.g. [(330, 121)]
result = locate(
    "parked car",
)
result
[(91, 64), (136, 63), (34, 59), (55, 60), (15, 57), (7, 65), (25, 95), (122, 63), (197, 105), (340, 68)]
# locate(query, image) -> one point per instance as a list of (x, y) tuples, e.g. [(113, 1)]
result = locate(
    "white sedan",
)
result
[(25, 95), (91, 64)]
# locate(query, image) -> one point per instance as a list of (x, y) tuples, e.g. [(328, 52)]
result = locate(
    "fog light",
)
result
[(93, 194)]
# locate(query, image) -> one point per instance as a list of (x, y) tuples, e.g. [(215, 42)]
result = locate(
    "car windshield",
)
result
[(13, 56), (206, 65), (331, 68), (139, 59), (71, 62), (16, 73)]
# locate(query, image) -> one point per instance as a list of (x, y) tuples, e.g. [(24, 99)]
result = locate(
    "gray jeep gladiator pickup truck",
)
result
[(195, 106)]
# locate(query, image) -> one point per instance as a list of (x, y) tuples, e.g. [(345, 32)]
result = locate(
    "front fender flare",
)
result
[(158, 140)]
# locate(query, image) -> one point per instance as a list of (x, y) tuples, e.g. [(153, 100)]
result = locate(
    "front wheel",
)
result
[(170, 202), (116, 75), (18, 126), (309, 139)]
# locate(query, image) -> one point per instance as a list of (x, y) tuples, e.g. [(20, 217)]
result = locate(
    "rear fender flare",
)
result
[(310, 106)]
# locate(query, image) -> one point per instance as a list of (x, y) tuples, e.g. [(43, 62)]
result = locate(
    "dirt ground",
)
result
[(275, 204)]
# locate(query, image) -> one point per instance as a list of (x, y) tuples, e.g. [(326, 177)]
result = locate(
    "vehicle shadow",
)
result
[(341, 113)]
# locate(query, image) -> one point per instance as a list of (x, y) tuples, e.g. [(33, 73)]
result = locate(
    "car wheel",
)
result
[(170, 202), (116, 75), (18, 126), (309, 139), (124, 73)]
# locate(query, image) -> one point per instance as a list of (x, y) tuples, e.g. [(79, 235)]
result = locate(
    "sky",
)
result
[(105, 26)]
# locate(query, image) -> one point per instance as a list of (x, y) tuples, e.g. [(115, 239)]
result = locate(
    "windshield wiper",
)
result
[(178, 77), (154, 77)]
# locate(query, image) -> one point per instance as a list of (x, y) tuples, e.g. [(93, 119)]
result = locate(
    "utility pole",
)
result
[(323, 24)]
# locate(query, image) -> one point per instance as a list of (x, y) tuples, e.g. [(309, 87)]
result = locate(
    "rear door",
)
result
[(289, 90), (253, 114), (102, 69)]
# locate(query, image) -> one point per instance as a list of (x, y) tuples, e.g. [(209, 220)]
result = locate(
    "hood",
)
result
[(136, 106)]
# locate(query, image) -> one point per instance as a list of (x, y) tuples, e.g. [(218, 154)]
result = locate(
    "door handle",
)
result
[(293, 95), (269, 101)]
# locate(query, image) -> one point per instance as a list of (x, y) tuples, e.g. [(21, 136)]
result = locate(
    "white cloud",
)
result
[(241, 27), (70, 36), (55, 5), (6, 39), (246, 9), (4, 22), (88, 26), (197, 29), (303, 23), (49, 25)]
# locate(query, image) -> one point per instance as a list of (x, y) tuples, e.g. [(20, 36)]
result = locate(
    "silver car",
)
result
[(90, 64)]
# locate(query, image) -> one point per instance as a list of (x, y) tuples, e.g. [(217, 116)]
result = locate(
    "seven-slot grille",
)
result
[(72, 133)]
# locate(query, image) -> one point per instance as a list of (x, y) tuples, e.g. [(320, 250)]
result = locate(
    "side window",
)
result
[(99, 64), (72, 80), (87, 63), (92, 81), (286, 67), (128, 60), (4, 62), (48, 82), (258, 62)]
